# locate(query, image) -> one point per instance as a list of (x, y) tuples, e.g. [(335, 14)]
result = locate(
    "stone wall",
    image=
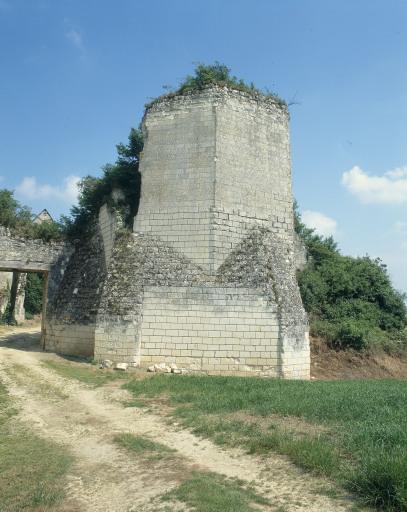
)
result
[(6, 279), (214, 165), (74, 300), (159, 306), (71, 324), (137, 261), (211, 329), (17, 253), (178, 173), (17, 297), (20, 255), (262, 262)]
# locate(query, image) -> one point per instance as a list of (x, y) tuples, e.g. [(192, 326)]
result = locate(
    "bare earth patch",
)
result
[(328, 364), (105, 476)]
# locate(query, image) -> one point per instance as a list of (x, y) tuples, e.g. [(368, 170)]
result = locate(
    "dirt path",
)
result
[(107, 478)]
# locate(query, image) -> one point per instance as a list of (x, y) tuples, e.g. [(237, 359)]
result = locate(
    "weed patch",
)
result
[(208, 492), (143, 445)]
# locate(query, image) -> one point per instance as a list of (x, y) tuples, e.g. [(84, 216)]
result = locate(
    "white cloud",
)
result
[(323, 225), (75, 38), (391, 188), (398, 172), (30, 189)]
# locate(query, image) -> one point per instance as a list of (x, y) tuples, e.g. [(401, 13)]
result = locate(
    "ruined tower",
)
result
[(206, 280), (216, 187)]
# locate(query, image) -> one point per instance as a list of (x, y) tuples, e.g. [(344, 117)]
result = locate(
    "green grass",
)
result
[(208, 492), (89, 375), (32, 469), (361, 440), (143, 445)]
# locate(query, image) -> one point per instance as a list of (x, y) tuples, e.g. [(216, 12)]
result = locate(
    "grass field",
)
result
[(32, 469), (354, 432)]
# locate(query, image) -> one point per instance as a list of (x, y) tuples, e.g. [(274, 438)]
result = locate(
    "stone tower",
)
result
[(206, 280), (216, 187), (215, 164)]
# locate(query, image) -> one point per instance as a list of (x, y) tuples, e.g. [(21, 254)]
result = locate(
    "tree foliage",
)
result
[(123, 175), (33, 293), (350, 301), (20, 220)]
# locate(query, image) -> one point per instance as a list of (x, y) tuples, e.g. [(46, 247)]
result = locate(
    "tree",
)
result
[(12, 214), (350, 301), (94, 192), (19, 219)]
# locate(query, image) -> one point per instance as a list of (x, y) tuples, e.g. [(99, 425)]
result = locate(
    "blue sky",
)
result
[(75, 75)]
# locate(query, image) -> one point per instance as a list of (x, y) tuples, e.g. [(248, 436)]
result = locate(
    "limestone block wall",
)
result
[(178, 173), (117, 338), (210, 328), (137, 261), (70, 338), (261, 261), (253, 170), (215, 164)]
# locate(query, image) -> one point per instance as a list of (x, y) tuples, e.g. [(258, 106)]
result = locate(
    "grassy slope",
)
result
[(353, 431), (31, 468)]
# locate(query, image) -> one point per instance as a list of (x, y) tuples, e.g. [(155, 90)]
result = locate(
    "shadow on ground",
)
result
[(27, 341), (30, 341)]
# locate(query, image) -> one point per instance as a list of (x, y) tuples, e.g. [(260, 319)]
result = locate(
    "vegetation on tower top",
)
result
[(220, 75)]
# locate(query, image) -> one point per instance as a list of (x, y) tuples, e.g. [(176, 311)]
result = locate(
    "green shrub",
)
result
[(220, 75), (350, 301), (33, 294)]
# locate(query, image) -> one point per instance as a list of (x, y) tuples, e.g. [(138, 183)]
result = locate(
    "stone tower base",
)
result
[(154, 305), (171, 312)]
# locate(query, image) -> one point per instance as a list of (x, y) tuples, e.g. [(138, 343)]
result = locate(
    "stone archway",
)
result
[(20, 255)]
